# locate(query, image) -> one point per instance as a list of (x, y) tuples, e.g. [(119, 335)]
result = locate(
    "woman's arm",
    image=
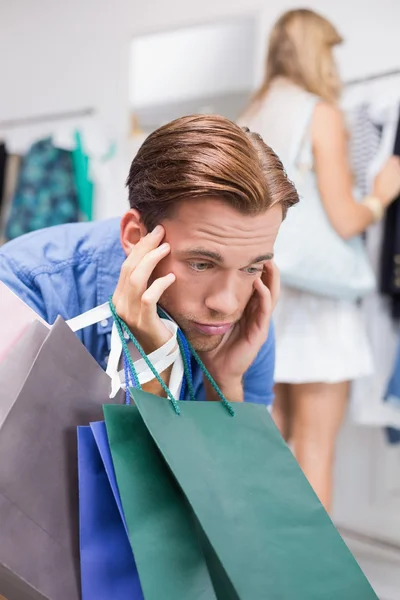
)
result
[(329, 138)]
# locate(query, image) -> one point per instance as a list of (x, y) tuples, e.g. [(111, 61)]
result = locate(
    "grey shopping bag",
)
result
[(39, 546), (15, 367)]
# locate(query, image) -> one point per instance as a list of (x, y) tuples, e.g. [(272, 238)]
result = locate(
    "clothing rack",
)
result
[(60, 116), (373, 77)]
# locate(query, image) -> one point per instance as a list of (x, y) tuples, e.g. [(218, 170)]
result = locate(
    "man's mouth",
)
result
[(214, 329)]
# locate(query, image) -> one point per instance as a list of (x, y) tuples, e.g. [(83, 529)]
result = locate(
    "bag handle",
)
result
[(122, 327), (176, 381), (301, 130), (182, 341), (162, 358), (90, 317)]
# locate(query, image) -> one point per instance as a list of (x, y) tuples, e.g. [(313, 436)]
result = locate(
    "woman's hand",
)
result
[(387, 182)]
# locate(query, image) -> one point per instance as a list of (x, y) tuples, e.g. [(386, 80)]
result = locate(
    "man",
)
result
[(206, 202)]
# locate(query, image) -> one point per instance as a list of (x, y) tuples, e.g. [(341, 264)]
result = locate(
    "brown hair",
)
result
[(300, 49), (206, 155)]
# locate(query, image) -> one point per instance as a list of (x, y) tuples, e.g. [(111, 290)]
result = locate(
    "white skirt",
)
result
[(319, 340)]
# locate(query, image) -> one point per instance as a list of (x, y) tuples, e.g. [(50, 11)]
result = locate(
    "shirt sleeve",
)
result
[(259, 379), (21, 284)]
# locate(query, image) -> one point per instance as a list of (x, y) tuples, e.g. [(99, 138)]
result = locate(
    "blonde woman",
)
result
[(321, 342)]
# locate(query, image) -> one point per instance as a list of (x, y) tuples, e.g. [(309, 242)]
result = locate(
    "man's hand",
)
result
[(232, 358), (134, 300)]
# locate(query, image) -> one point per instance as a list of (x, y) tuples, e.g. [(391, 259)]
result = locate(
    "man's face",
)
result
[(216, 254)]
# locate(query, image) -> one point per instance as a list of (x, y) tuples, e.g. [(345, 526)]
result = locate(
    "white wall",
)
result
[(60, 56), (194, 62)]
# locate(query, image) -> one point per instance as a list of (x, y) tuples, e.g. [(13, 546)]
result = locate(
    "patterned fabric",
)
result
[(45, 193), (84, 185), (365, 138)]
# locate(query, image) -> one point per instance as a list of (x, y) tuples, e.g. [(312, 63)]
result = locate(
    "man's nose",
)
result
[(224, 297)]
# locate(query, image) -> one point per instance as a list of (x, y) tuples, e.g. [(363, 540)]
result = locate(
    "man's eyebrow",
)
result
[(204, 253), (219, 258), (262, 258)]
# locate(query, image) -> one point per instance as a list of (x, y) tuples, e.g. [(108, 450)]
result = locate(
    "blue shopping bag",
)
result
[(108, 568), (100, 435)]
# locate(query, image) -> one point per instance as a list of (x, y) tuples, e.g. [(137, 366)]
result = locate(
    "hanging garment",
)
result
[(390, 253), (3, 164), (11, 175), (393, 399), (368, 393), (390, 285), (363, 144), (83, 184), (100, 170), (45, 193), (393, 435)]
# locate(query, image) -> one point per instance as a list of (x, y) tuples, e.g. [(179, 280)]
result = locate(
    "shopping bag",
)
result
[(259, 515), (15, 588), (108, 568), (13, 372), (16, 365), (15, 318), (162, 532), (100, 435), (39, 542)]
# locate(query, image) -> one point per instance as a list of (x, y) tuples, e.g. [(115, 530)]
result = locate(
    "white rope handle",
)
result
[(146, 376), (90, 317), (161, 358)]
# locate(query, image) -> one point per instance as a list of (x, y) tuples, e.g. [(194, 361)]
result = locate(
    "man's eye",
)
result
[(254, 270), (200, 266)]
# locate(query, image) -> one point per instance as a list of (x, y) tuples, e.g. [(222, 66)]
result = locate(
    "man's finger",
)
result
[(153, 294), (263, 312), (139, 278), (271, 278), (148, 243)]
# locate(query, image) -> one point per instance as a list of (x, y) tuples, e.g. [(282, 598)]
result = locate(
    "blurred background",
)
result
[(96, 77)]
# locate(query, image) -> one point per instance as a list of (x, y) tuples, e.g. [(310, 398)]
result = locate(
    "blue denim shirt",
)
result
[(69, 269)]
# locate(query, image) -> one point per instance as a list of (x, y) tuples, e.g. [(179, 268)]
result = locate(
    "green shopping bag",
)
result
[(162, 533), (263, 532), (253, 504)]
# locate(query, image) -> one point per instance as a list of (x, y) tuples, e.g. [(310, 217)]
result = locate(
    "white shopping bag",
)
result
[(15, 318)]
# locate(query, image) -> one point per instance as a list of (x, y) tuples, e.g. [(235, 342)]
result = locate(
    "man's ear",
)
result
[(132, 230)]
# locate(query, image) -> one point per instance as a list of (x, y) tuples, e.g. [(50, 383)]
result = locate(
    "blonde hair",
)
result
[(300, 49)]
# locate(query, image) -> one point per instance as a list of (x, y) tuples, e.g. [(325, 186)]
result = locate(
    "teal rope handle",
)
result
[(126, 352), (120, 324), (123, 325), (202, 366)]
